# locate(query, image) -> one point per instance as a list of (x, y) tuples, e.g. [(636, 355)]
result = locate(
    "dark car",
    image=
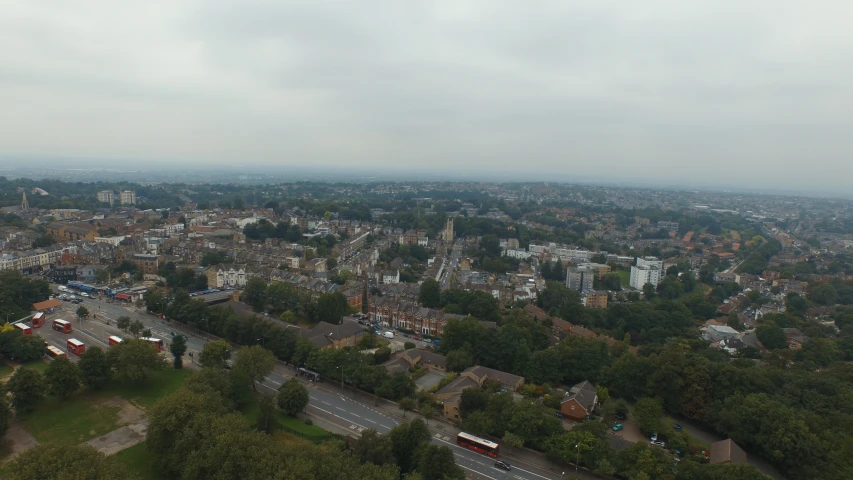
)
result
[(503, 465), (621, 417)]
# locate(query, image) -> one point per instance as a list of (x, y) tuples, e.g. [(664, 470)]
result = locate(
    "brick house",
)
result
[(579, 401)]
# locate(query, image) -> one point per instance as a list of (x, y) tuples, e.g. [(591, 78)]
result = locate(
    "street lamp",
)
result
[(578, 459)]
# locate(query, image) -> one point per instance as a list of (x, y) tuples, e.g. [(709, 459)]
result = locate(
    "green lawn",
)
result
[(39, 365), (156, 387), (625, 277), (292, 425), (139, 460), (72, 421), (5, 369)]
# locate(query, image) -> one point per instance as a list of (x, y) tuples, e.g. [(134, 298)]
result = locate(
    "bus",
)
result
[(477, 444), (312, 376), (76, 346), (158, 344), (24, 328), (54, 352), (113, 340), (61, 325), (38, 320)]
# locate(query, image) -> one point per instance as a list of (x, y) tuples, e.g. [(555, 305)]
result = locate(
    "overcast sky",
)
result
[(747, 91)]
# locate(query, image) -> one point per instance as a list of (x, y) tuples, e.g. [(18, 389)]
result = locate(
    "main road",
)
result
[(327, 400)]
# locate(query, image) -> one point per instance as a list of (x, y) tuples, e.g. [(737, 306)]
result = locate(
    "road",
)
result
[(452, 264), (326, 400)]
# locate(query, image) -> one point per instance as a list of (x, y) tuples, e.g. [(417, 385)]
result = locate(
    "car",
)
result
[(502, 465), (659, 444), (621, 417), (654, 437), (617, 427), (679, 427), (361, 322)]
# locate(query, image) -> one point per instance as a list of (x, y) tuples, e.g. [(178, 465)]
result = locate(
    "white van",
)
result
[(388, 334)]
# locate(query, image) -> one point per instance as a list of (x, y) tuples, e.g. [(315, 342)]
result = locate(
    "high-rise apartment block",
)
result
[(647, 270), (106, 196), (580, 278), (128, 197)]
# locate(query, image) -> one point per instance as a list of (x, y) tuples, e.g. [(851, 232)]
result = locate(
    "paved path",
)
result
[(120, 439)]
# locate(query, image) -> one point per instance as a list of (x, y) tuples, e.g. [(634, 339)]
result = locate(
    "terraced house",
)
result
[(407, 315)]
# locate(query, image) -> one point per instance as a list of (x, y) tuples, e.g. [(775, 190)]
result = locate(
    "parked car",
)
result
[(654, 437), (621, 417), (659, 444), (502, 465), (678, 427), (617, 427)]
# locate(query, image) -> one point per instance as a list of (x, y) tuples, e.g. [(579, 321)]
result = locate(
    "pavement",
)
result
[(333, 407)]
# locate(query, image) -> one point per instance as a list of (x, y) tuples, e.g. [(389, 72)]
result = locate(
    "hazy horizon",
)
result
[(753, 95)]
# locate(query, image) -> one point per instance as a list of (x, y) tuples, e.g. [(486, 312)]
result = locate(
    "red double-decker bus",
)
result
[(478, 444), (113, 340), (63, 326), (156, 342), (54, 352), (38, 320), (76, 346), (24, 328)]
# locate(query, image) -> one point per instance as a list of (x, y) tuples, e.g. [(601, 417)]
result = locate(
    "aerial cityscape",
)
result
[(426, 240)]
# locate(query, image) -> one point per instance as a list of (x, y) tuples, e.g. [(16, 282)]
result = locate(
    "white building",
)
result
[(106, 196), (227, 276), (647, 270), (391, 276)]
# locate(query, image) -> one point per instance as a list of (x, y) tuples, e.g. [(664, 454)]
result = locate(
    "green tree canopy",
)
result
[(51, 461), (292, 397), (134, 360), (62, 377), (430, 293), (27, 389), (256, 362), (95, 368), (215, 354)]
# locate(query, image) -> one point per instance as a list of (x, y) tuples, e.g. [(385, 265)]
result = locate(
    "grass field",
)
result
[(87, 415), (72, 421), (5, 369), (39, 365), (146, 393), (138, 459), (290, 425), (625, 277)]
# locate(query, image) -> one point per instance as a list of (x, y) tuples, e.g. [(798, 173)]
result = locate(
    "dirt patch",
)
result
[(17, 440), (128, 413), (118, 440)]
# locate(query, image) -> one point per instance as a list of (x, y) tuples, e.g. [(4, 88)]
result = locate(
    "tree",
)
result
[(771, 336), (409, 345), (406, 404), (25, 348), (178, 348), (512, 440), (292, 397), (27, 389), (95, 368), (430, 293), (406, 439), (436, 462), (648, 413), (51, 461), (428, 412), (331, 307), (123, 323), (136, 327), (374, 448), (612, 281), (134, 360), (287, 316), (82, 312), (62, 378), (254, 293), (459, 360), (6, 414), (266, 414), (257, 362), (215, 354)]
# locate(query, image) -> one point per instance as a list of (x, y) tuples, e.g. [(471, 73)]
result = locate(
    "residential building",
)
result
[(391, 276), (579, 278), (106, 196), (226, 275), (727, 451), (417, 357), (326, 335), (474, 377), (147, 263), (647, 270), (594, 299), (128, 197), (668, 226), (580, 401)]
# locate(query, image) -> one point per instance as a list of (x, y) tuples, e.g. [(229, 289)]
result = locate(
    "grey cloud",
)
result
[(744, 92)]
